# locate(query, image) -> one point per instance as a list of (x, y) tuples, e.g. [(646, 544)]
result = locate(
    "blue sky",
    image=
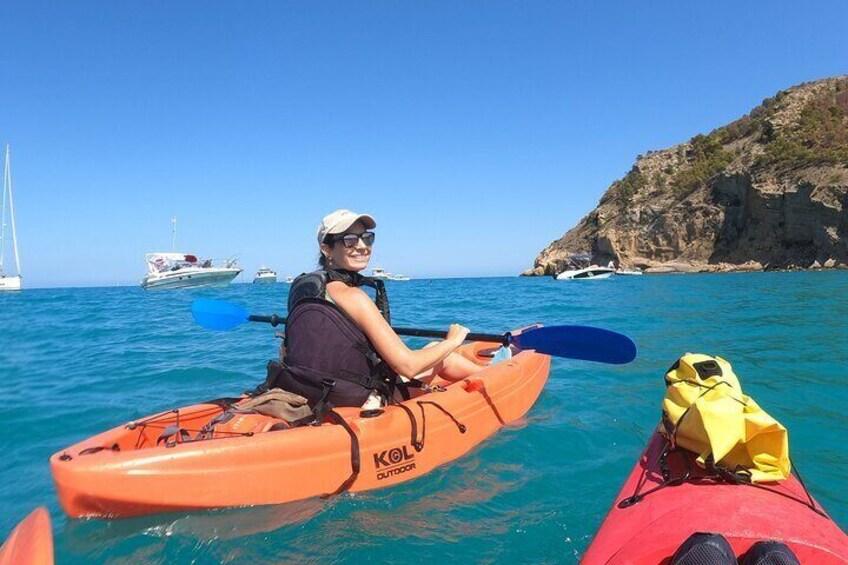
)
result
[(475, 132)]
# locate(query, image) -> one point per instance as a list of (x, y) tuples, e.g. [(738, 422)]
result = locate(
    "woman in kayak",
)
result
[(345, 242)]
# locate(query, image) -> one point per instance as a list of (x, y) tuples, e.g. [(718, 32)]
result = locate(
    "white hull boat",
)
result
[(265, 276), (379, 273), (180, 270), (9, 282), (589, 273), (629, 273), (210, 276), (382, 274)]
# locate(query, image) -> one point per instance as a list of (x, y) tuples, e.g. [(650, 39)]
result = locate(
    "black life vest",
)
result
[(328, 357)]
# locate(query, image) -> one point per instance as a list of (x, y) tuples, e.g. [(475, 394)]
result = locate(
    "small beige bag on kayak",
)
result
[(705, 411), (277, 403)]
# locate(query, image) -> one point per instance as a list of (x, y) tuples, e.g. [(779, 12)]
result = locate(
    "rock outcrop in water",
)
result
[(768, 191)]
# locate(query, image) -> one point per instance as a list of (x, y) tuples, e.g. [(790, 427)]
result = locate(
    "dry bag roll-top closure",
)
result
[(328, 357)]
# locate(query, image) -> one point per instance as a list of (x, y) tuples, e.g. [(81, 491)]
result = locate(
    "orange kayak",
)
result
[(31, 542), (205, 456)]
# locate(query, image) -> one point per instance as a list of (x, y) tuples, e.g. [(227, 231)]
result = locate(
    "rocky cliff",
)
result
[(768, 191)]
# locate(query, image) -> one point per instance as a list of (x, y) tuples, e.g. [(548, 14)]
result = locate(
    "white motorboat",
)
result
[(592, 272), (265, 275), (381, 273), (582, 269), (9, 282), (181, 270), (629, 272), (289, 279)]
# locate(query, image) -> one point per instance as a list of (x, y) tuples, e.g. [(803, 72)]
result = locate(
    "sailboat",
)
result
[(8, 282)]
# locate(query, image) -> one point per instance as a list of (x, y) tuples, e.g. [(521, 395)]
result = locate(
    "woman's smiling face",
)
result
[(348, 258)]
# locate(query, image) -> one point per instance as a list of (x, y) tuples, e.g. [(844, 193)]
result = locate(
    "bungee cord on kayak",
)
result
[(711, 472)]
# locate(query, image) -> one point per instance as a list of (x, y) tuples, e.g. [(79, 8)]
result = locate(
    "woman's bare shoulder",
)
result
[(348, 297)]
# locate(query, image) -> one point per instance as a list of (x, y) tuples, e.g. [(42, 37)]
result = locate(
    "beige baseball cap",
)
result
[(341, 220)]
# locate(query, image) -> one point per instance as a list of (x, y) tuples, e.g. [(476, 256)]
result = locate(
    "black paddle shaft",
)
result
[(503, 339), (273, 319)]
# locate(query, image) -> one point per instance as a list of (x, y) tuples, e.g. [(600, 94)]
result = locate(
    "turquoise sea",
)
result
[(74, 362)]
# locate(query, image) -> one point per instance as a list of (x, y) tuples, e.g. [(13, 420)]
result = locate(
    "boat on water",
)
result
[(183, 270), (381, 273), (668, 497), (220, 453), (9, 282), (289, 279), (265, 275), (31, 542), (581, 268), (628, 272), (715, 485)]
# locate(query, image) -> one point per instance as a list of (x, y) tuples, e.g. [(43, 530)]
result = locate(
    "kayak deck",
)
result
[(252, 459), (651, 530)]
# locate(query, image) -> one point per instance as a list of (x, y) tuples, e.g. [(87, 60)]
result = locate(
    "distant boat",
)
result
[(628, 272), (9, 282), (591, 272), (182, 270), (381, 273), (289, 279), (582, 269), (265, 275)]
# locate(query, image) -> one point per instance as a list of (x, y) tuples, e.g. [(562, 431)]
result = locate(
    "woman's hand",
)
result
[(456, 335)]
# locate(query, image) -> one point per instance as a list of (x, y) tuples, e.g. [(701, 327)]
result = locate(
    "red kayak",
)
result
[(31, 542), (648, 521)]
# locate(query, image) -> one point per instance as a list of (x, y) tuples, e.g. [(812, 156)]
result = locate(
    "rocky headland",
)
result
[(768, 191)]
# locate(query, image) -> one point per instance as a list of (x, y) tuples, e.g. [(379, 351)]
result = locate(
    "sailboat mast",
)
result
[(3, 221), (12, 213)]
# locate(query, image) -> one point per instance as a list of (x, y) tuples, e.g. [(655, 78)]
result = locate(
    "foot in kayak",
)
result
[(770, 552), (703, 548)]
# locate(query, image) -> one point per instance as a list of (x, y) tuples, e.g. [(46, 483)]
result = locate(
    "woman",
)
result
[(339, 345)]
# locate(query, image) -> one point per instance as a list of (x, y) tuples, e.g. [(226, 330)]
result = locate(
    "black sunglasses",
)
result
[(351, 239)]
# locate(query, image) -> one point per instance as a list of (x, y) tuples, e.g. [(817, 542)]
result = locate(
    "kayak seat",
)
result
[(703, 548), (770, 552)]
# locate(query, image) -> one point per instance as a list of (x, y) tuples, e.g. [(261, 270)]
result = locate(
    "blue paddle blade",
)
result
[(218, 314), (578, 342)]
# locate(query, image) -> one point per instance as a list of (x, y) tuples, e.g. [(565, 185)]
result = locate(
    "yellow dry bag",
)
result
[(705, 412)]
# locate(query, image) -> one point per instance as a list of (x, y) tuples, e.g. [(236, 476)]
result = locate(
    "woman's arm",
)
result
[(407, 362)]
